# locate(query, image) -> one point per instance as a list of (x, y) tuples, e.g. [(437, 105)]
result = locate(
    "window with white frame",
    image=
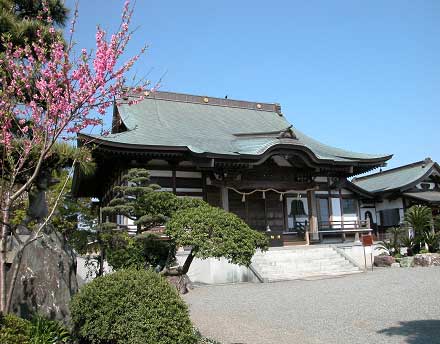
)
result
[(349, 206)]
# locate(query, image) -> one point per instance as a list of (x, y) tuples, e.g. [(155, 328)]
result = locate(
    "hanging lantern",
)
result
[(281, 197), (243, 199), (264, 194)]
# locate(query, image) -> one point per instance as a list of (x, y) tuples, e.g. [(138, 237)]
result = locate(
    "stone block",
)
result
[(383, 261), (407, 262), (395, 265), (427, 259)]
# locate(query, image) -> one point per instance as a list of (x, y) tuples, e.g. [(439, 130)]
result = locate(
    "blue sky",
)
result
[(359, 75)]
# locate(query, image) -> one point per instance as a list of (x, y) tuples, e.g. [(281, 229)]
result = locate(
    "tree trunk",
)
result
[(3, 248), (188, 262), (180, 270), (178, 277), (101, 254)]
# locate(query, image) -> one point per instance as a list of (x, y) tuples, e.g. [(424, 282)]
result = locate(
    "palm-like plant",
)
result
[(386, 246), (437, 223), (432, 240), (419, 217)]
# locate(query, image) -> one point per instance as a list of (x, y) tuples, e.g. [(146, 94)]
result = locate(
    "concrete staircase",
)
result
[(305, 262)]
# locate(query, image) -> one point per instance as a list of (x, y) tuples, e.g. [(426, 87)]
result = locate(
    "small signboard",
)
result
[(367, 240)]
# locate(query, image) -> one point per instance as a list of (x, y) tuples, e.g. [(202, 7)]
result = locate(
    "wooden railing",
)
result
[(344, 224), (355, 227)]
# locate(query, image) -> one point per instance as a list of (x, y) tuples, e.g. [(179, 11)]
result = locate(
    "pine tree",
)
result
[(21, 19), (135, 184)]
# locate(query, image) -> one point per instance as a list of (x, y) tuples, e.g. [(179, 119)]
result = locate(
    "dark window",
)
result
[(349, 206), (389, 217), (425, 186)]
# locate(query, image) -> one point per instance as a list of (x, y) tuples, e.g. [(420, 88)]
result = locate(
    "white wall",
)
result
[(356, 252), (216, 271), (82, 270)]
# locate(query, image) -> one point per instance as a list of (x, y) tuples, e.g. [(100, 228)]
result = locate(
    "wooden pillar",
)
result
[(224, 197), (342, 213), (313, 213), (174, 182), (330, 203), (285, 214), (205, 193)]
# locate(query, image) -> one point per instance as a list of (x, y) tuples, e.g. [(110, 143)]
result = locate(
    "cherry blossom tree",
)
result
[(47, 95)]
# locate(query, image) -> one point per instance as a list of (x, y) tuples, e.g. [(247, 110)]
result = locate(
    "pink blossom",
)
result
[(76, 92)]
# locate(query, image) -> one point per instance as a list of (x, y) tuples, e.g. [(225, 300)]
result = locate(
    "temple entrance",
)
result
[(259, 212), (284, 217)]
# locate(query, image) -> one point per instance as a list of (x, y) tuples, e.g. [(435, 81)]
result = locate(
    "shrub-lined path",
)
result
[(400, 305)]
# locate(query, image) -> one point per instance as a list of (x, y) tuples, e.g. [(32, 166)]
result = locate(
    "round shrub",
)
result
[(131, 307)]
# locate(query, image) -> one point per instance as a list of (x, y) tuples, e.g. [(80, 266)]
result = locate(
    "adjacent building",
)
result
[(397, 189)]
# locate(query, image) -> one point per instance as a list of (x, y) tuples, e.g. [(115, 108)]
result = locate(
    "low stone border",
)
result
[(427, 259), (421, 259)]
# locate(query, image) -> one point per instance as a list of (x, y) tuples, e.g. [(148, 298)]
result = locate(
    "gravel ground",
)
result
[(384, 306)]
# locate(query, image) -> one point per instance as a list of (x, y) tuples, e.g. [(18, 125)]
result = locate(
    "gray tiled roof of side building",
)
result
[(394, 178), (206, 128)]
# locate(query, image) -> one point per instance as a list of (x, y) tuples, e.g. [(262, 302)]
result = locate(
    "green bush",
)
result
[(45, 331), (122, 251), (131, 307), (40, 330), (141, 251), (14, 330)]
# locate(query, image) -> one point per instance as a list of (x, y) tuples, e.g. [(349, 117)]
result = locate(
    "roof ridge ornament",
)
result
[(427, 161), (287, 134)]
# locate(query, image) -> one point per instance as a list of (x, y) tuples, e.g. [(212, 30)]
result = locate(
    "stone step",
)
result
[(294, 258), (305, 263), (310, 276), (308, 269), (294, 254), (332, 260), (301, 262)]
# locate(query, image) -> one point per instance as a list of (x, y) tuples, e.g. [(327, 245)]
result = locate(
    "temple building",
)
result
[(242, 156), (397, 189)]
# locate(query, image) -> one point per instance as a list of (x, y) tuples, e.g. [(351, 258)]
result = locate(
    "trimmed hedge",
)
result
[(131, 307)]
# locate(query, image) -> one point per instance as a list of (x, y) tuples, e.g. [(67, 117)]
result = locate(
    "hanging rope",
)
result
[(281, 193)]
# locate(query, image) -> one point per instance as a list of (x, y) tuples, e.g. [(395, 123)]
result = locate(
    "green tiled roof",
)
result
[(396, 178), (217, 129)]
